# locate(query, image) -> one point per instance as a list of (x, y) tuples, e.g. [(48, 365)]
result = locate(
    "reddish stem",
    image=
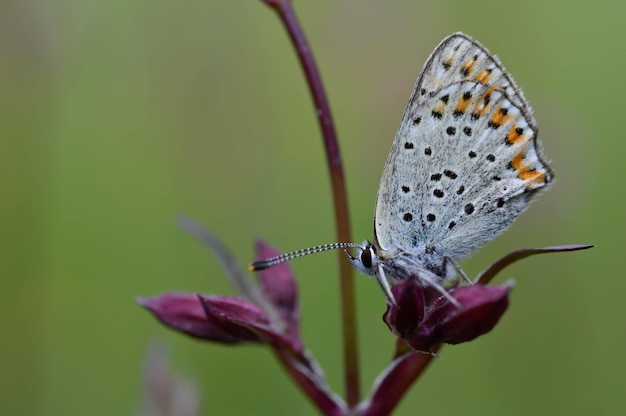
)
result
[(395, 384), (316, 389), (333, 157)]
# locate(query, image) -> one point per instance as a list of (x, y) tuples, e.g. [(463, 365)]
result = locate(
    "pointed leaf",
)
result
[(486, 276), (278, 284)]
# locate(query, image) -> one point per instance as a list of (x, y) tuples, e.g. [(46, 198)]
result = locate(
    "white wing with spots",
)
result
[(464, 163)]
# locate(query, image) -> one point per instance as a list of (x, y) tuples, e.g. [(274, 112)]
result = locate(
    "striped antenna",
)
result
[(264, 264)]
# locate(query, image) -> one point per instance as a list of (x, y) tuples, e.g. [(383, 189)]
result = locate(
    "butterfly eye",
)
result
[(366, 257)]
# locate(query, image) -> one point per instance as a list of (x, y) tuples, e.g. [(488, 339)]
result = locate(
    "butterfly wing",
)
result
[(460, 58), (465, 161)]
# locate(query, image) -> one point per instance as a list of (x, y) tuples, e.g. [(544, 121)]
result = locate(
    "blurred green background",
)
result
[(118, 115)]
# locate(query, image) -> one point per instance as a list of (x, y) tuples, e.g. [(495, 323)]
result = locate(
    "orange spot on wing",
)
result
[(499, 118), (462, 104), (468, 68), (537, 180), (526, 173), (439, 107), (540, 179), (483, 76), (518, 162), (514, 137)]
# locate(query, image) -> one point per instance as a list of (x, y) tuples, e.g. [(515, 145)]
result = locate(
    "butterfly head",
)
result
[(366, 260)]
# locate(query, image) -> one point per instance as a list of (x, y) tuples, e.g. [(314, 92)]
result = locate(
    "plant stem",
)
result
[(333, 157)]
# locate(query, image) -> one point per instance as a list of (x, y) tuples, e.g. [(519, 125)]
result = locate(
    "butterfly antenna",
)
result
[(273, 261)]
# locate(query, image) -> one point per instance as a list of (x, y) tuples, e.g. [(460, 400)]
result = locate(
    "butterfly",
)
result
[(464, 164)]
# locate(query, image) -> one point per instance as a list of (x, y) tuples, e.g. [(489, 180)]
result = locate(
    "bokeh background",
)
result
[(117, 115)]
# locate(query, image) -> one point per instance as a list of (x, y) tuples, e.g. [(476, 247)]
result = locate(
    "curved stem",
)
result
[(399, 377), (333, 158)]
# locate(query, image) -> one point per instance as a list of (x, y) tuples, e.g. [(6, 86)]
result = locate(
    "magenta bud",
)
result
[(235, 316), (481, 308), (423, 320), (406, 318), (184, 312)]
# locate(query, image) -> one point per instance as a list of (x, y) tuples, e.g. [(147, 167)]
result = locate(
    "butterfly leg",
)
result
[(458, 269), (383, 282), (445, 294), (432, 280)]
